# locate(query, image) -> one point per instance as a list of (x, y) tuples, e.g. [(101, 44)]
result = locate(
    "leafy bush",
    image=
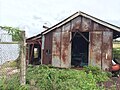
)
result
[(94, 69), (48, 78), (98, 74), (15, 32), (116, 54)]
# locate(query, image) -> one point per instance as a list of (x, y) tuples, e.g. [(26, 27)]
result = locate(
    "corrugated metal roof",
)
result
[(34, 37), (79, 13), (84, 15)]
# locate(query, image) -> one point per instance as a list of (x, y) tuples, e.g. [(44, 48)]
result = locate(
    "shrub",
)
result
[(116, 54), (98, 74), (49, 78)]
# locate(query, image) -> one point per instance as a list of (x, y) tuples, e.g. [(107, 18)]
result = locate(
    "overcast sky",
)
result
[(31, 15)]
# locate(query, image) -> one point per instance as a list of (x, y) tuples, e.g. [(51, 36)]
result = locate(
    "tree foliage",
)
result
[(15, 32)]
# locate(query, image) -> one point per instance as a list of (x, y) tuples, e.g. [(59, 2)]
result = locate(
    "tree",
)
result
[(15, 32)]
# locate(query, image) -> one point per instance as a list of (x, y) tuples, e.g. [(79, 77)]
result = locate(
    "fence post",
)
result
[(23, 59)]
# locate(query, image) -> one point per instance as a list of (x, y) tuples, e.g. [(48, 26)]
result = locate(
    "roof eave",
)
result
[(84, 15), (101, 22)]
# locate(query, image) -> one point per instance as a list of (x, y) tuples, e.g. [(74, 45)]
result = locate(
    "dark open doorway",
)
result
[(35, 54), (80, 49)]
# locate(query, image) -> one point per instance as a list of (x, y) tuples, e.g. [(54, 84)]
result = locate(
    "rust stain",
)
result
[(76, 26), (56, 51), (107, 49), (65, 46), (95, 45)]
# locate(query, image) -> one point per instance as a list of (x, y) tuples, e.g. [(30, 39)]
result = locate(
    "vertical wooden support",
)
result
[(22, 59)]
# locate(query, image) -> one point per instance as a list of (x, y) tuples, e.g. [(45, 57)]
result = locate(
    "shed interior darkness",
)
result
[(35, 54), (116, 34), (80, 49)]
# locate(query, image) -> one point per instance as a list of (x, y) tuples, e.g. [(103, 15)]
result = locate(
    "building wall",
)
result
[(61, 50), (100, 46), (47, 51)]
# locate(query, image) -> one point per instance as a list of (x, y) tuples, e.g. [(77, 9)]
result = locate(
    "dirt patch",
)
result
[(113, 84), (8, 71)]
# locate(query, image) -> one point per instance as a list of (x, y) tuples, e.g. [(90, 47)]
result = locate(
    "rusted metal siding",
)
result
[(86, 25), (101, 41), (56, 48), (47, 57), (95, 48), (61, 47), (99, 36), (66, 46), (107, 50), (76, 24), (82, 24)]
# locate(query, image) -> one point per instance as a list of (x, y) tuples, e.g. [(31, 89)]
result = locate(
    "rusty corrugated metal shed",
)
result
[(99, 54), (92, 34)]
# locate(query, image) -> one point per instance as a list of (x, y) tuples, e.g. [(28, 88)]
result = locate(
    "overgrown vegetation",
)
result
[(15, 32), (12, 83), (49, 78), (116, 51), (116, 55)]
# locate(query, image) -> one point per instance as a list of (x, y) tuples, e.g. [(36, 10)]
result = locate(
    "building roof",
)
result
[(84, 15), (38, 36), (79, 13)]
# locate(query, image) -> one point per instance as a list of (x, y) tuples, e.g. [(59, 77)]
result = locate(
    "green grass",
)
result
[(49, 78), (9, 64)]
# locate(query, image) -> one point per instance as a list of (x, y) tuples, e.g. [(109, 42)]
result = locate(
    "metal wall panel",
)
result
[(107, 50), (86, 24), (56, 48), (66, 46), (47, 57), (95, 48), (76, 24), (98, 27)]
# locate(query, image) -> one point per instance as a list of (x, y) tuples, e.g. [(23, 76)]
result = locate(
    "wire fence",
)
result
[(9, 55), (12, 62)]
